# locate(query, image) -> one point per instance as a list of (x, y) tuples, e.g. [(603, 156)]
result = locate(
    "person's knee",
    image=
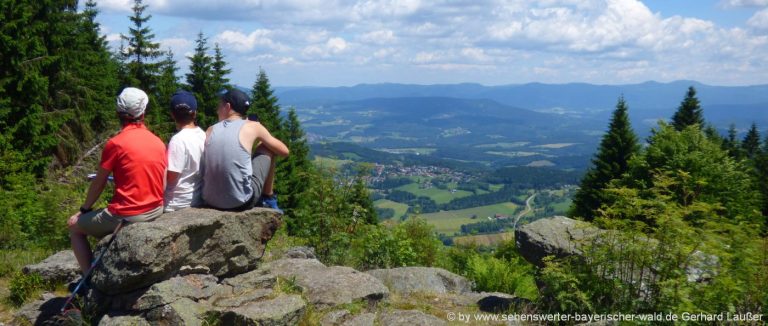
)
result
[(75, 230)]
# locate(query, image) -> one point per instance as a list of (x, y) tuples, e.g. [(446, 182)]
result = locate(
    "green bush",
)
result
[(23, 287)]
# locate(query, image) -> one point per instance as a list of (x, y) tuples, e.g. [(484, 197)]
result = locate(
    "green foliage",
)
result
[(23, 286), (751, 143), (379, 247), (702, 172), (290, 184), (142, 53), (689, 113), (492, 274), (611, 161), (200, 80), (287, 285)]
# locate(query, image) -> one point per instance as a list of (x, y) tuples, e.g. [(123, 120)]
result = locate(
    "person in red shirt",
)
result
[(136, 158)]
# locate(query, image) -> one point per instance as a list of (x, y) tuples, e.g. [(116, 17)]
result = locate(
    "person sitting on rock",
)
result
[(185, 152), (235, 177), (137, 160)]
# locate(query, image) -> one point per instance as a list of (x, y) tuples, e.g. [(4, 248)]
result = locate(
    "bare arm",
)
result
[(171, 178), (270, 142), (97, 186)]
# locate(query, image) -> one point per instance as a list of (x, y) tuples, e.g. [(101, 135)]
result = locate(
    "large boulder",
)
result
[(58, 268), (431, 280), (227, 243), (329, 286), (558, 236)]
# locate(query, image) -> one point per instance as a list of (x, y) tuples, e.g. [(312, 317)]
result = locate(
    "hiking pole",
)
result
[(92, 267)]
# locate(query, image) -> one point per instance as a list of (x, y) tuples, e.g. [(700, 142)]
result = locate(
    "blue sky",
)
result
[(492, 42)]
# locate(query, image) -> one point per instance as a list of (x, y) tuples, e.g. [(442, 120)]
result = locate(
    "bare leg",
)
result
[(269, 181), (80, 247)]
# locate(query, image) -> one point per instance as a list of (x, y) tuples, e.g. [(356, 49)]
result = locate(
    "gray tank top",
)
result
[(226, 167)]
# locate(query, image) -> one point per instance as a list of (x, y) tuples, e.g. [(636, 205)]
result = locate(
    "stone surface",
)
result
[(421, 280), (123, 321), (258, 279), (61, 267), (46, 307), (195, 287), (334, 318), (364, 319), (558, 236), (283, 310), (300, 253), (409, 318), (228, 243), (182, 311), (329, 286)]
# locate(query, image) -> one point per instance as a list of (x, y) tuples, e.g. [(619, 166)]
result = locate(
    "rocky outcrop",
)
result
[(558, 236), (329, 286), (422, 280), (59, 268), (227, 243), (199, 266)]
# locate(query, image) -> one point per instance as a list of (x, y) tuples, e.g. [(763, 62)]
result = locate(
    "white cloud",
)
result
[(743, 3), (759, 20), (379, 37), (243, 43), (336, 45)]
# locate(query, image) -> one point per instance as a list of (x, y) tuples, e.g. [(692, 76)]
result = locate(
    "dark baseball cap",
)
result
[(184, 98), (237, 99)]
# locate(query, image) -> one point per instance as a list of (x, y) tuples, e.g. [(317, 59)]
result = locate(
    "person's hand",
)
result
[(73, 219)]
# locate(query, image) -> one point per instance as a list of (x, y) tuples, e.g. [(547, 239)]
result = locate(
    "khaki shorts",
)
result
[(101, 222)]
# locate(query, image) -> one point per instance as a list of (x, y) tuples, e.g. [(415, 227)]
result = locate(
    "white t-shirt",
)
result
[(185, 151)]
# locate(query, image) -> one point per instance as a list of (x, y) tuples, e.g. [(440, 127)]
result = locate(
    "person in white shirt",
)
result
[(185, 151)]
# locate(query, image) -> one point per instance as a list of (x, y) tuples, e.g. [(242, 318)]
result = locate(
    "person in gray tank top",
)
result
[(236, 176)]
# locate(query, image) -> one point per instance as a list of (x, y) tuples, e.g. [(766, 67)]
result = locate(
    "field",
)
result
[(399, 208), (440, 196), (326, 162), (484, 239), (449, 222)]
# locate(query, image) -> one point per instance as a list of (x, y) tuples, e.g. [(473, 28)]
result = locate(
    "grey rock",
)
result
[(180, 312), (283, 310), (558, 236), (123, 321), (408, 318), (46, 307), (364, 319), (335, 317), (329, 286), (258, 279), (301, 253), (197, 269), (228, 243), (240, 299), (430, 280), (195, 287), (60, 267)]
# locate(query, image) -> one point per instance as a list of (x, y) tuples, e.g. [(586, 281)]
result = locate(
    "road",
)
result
[(527, 210)]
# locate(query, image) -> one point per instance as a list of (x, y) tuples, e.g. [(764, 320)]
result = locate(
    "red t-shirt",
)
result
[(137, 160)]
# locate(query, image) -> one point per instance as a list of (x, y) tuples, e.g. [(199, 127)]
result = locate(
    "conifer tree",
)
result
[(751, 143), (292, 180), (689, 112), (264, 104), (616, 148), (220, 70), (200, 81), (142, 52), (732, 143), (167, 84)]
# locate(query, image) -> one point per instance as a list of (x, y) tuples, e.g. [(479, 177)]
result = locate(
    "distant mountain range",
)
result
[(531, 124), (650, 100)]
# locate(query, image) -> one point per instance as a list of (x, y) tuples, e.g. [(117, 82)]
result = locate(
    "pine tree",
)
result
[(200, 82), (732, 143), (611, 161), (264, 104), (689, 112), (142, 52), (167, 84), (220, 71), (292, 180), (751, 143)]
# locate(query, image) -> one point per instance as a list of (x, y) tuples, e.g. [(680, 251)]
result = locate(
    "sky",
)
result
[(491, 42)]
